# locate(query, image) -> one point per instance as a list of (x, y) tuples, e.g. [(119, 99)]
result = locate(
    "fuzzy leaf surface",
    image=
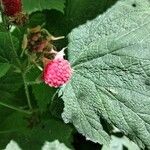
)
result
[(12, 145), (55, 145), (111, 60)]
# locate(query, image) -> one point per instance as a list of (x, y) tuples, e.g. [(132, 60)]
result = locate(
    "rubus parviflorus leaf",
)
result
[(110, 57), (38, 5), (55, 145), (120, 144)]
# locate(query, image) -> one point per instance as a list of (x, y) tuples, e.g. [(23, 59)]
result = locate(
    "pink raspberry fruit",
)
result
[(57, 72)]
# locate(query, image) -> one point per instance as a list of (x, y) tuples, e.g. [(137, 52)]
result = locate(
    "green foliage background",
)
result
[(91, 102)]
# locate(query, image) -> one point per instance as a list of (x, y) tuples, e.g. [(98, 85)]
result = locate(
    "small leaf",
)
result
[(79, 11), (55, 145), (111, 60), (12, 145), (119, 143), (17, 126)]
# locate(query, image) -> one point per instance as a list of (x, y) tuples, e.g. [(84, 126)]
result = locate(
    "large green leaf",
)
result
[(38, 5), (110, 57)]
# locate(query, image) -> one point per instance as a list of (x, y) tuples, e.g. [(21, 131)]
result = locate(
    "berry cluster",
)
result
[(12, 7), (13, 10), (39, 43), (38, 40), (57, 71)]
